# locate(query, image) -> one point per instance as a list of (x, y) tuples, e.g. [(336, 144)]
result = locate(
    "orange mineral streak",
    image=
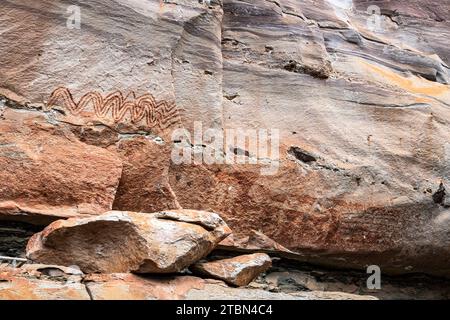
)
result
[(413, 84)]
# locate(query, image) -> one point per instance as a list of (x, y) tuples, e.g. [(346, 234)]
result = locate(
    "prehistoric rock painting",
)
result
[(161, 114)]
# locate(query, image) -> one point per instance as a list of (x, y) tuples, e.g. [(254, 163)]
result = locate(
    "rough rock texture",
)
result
[(222, 292), (144, 176), (41, 282), (361, 102), (57, 282), (238, 271), (132, 287), (47, 173), (412, 288), (14, 236), (288, 277), (162, 242), (46, 282), (255, 241), (125, 286)]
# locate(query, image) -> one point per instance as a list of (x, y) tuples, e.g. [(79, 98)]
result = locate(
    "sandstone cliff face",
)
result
[(361, 103)]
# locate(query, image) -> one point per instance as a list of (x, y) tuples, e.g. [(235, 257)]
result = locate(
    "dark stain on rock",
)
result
[(240, 152), (14, 236), (231, 96), (301, 155), (439, 195), (294, 66)]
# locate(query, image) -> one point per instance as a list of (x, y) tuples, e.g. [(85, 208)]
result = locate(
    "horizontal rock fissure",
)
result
[(301, 155)]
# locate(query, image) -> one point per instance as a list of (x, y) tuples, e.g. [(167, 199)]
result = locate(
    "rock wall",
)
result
[(361, 102)]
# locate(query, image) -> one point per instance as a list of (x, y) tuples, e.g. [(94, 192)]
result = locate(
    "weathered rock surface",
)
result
[(47, 173), (362, 109), (237, 271), (37, 282), (292, 278), (162, 242), (125, 286), (222, 292), (255, 241), (132, 287), (144, 176), (56, 282), (14, 237), (41, 282)]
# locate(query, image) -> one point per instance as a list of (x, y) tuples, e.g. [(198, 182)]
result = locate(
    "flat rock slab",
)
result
[(162, 242), (238, 271), (41, 282), (126, 286)]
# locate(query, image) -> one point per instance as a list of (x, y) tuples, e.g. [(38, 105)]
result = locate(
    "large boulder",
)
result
[(237, 271), (162, 242)]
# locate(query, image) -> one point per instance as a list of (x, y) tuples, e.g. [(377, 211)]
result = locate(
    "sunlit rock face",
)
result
[(359, 94)]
